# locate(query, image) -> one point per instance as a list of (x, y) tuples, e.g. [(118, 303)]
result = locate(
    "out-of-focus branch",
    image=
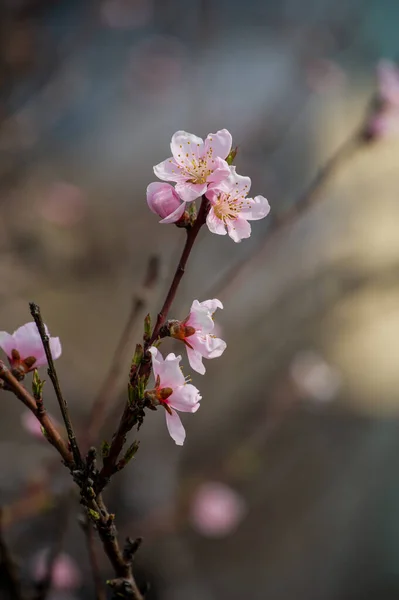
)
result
[(9, 567), (311, 195), (110, 385), (36, 314), (51, 431)]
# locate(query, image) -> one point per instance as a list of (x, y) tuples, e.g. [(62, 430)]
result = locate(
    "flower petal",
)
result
[(200, 318), (212, 305), (190, 191), (219, 143), (195, 360), (208, 345), (55, 347), (7, 343), (175, 427), (168, 170), (215, 225), (185, 398), (184, 144), (175, 215), (255, 208), (220, 170), (28, 343), (170, 372), (239, 229)]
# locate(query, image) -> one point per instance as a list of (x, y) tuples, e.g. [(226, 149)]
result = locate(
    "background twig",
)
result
[(36, 314)]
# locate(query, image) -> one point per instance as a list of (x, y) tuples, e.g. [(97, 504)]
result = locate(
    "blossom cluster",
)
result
[(201, 168), (198, 168)]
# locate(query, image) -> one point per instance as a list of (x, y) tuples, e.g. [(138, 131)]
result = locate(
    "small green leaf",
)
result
[(105, 448), (231, 156)]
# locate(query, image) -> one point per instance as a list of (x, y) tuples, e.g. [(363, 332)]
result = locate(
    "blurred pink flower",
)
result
[(216, 509), (126, 14), (165, 202), (32, 425), (196, 163), (173, 392), (64, 204), (384, 119), (231, 209), (388, 82), (196, 332), (25, 343), (314, 377), (66, 574)]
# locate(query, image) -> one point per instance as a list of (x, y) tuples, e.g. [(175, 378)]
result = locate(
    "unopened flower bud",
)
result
[(164, 201)]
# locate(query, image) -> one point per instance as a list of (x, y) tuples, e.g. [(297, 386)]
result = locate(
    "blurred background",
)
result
[(287, 485)]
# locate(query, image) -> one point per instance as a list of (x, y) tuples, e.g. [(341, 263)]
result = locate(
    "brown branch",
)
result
[(110, 385), (22, 393), (191, 237), (132, 414), (91, 548), (9, 566), (36, 314)]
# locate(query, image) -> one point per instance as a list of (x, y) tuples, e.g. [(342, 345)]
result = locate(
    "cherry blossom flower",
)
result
[(195, 163), (230, 208), (173, 392), (163, 200), (196, 332), (66, 574), (216, 509), (24, 347)]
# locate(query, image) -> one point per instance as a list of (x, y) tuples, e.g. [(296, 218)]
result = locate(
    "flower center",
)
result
[(227, 207)]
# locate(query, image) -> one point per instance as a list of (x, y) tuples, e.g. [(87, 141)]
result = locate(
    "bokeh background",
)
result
[(287, 486)]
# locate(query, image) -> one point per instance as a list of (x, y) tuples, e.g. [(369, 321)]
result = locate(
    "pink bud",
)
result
[(216, 509), (164, 201), (66, 574)]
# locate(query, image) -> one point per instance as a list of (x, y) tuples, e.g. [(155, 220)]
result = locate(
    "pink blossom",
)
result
[(230, 208), (163, 200), (216, 509), (196, 332), (24, 346), (32, 425), (194, 163), (66, 574), (388, 82), (173, 392)]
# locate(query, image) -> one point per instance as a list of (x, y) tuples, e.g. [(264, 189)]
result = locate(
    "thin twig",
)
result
[(9, 566), (191, 237), (95, 570), (131, 415), (36, 314), (110, 385), (22, 393)]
